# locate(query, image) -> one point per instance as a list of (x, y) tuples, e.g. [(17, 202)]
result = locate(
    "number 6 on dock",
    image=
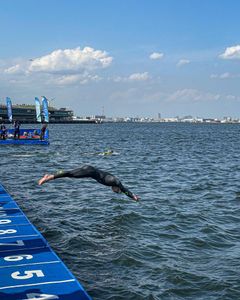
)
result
[(17, 258)]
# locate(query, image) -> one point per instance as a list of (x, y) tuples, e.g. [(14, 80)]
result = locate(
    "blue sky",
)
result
[(132, 57)]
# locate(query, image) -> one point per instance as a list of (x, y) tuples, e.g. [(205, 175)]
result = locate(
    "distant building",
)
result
[(99, 117), (27, 114), (170, 120)]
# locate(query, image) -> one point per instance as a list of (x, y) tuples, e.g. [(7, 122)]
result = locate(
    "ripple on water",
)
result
[(181, 241)]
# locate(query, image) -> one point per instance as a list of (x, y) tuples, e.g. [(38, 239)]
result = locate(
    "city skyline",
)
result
[(130, 57)]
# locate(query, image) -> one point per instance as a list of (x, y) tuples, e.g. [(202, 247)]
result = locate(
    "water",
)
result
[(182, 241)]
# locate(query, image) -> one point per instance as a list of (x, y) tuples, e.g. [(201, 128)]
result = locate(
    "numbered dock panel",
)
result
[(29, 269), (68, 290), (24, 257), (7, 205), (11, 213)]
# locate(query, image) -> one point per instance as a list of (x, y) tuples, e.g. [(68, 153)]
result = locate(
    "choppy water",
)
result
[(182, 241)]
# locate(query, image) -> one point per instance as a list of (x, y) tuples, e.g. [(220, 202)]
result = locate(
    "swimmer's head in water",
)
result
[(116, 189), (109, 151)]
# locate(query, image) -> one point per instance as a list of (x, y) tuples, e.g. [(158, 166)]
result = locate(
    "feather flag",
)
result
[(9, 108), (45, 109), (38, 110)]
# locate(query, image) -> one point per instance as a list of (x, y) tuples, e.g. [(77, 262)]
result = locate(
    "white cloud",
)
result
[(139, 76), (182, 97), (62, 67), (192, 95), (156, 55), (225, 75), (133, 77), (231, 97), (231, 53), (183, 62), (71, 60), (68, 61), (67, 79), (75, 79), (17, 69), (117, 79)]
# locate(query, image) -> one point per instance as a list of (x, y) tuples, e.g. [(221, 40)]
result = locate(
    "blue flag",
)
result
[(45, 109), (9, 108), (38, 110)]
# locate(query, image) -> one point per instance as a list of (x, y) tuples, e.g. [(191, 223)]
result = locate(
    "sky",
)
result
[(123, 57)]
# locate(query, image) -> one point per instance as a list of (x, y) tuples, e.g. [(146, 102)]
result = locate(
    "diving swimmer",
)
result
[(87, 171)]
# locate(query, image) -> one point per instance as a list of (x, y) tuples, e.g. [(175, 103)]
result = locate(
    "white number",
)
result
[(5, 221), (17, 258), (19, 243), (8, 231), (40, 297), (28, 274)]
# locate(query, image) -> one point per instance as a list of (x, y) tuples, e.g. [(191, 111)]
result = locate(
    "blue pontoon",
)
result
[(27, 137), (29, 269)]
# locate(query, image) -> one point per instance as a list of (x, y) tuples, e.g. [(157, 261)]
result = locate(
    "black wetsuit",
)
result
[(3, 130), (102, 177), (17, 129), (43, 129)]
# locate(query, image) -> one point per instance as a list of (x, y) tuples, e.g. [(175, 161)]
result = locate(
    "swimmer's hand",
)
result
[(136, 198)]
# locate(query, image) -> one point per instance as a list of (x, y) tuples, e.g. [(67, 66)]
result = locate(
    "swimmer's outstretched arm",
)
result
[(132, 196), (128, 193)]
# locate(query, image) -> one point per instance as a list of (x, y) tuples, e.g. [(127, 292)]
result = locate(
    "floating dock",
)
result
[(29, 269), (27, 137)]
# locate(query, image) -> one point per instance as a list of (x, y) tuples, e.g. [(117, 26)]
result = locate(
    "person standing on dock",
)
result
[(3, 130), (87, 171), (16, 125), (43, 129)]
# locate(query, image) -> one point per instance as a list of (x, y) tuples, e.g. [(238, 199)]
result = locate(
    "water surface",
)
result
[(182, 241)]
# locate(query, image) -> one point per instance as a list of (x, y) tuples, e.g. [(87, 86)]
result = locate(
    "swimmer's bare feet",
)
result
[(45, 178)]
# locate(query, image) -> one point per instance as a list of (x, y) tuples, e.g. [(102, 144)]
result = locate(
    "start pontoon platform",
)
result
[(29, 269)]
